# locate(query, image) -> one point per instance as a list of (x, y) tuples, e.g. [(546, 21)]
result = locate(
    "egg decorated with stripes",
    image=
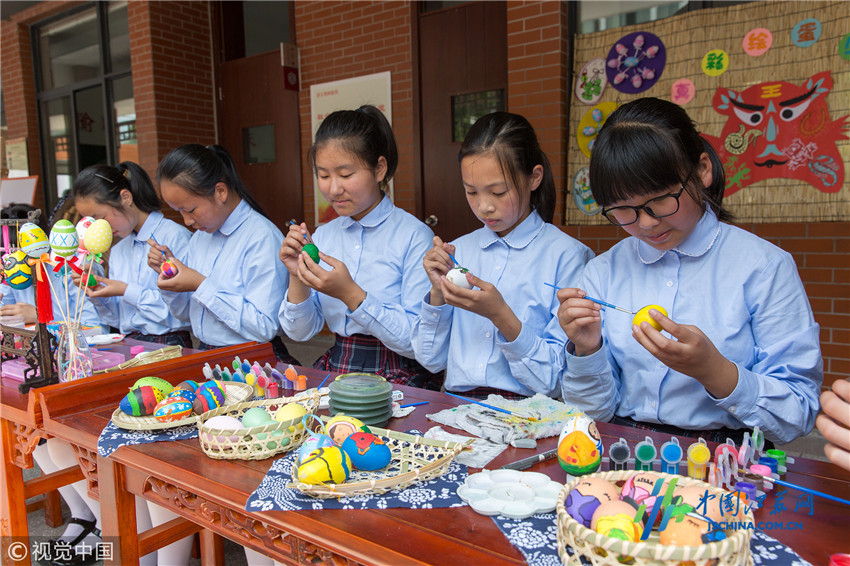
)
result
[(63, 238), (188, 385), (33, 240), (208, 397), (172, 409), (157, 382), (325, 465), (187, 394), (142, 401)]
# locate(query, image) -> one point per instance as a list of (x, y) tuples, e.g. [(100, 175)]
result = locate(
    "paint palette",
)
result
[(510, 493)]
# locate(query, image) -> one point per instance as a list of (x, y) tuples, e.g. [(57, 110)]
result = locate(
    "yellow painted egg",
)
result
[(291, 412), (33, 240), (63, 238), (341, 427), (580, 446), (325, 465), (643, 316), (617, 519), (17, 271), (98, 237)]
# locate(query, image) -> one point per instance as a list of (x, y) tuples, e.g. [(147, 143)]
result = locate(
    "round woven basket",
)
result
[(602, 550), (259, 442)]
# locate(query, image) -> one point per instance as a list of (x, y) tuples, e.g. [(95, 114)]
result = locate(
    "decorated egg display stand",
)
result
[(34, 347)]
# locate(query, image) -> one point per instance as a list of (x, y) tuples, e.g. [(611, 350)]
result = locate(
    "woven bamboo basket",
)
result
[(234, 392), (601, 550), (414, 459), (259, 442)]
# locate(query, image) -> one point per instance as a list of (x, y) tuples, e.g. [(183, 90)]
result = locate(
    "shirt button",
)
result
[(733, 408), (669, 283), (363, 317), (653, 404), (480, 366), (436, 315), (487, 335)]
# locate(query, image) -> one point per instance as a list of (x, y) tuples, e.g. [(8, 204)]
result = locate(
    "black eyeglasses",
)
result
[(658, 207)]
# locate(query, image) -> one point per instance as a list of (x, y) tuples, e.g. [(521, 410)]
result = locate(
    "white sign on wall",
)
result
[(346, 94)]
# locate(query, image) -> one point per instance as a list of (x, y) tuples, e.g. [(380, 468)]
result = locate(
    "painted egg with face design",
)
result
[(17, 271), (588, 494), (63, 239), (580, 446)]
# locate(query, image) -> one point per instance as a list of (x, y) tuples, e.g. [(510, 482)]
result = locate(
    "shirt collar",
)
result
[(149, 226), (519, 237), (236, 218), (698, 243), (375, 217)]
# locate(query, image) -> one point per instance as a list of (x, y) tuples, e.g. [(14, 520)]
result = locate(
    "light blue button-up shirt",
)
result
[(470, 347), (745, 294), (142, 308), (239, 299), (383, 251)]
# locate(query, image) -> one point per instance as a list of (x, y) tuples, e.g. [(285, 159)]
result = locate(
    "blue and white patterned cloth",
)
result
[(112, 437), (537, 536), (273, 495)]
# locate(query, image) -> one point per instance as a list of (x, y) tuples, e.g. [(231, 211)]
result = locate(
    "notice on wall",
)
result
[(346, 94)]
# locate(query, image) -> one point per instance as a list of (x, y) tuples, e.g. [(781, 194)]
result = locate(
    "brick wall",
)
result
[(822, 253), (341, 40)]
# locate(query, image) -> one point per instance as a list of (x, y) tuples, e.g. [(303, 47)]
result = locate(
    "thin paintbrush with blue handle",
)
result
[(597, 301)]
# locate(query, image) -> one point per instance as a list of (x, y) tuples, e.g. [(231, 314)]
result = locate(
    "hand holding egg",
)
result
[(186, 278), (643, 316)]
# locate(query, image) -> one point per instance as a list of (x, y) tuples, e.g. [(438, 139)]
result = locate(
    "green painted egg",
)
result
[(312, 251), (157, 382), (63, 238)]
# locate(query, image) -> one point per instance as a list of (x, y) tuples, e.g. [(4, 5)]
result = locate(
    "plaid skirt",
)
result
[(278, 347), (483, 392), (179, 338), (719, 435), (363, 353)]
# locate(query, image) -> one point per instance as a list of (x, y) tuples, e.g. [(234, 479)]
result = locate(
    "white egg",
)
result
[(458, 277)]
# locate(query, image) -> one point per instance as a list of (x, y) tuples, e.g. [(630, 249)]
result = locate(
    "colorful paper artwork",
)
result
[(591, 81), (806, 32), (715, 62), (590, 125), (581, 193), (757, 42), (777, 129), (636, 62), (682, 91)]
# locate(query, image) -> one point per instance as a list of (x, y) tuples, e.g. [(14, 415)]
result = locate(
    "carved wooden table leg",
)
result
[(18, 444), (117, 514), (88, 464)]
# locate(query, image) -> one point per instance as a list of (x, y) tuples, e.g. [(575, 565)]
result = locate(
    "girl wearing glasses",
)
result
[(740, 347)]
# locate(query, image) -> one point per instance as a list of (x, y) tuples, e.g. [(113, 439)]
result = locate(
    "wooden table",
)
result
[(22, 426), (212, 494)]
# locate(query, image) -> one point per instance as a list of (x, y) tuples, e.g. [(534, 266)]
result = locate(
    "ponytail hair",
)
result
[(511, 140), (364, 132), (197, 169), (647, 145), (104, 184)]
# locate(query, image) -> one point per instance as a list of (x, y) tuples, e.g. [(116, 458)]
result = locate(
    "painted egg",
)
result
[(168, 269), (63, 238), (157, 382), (187, 394), (367, 451), (188, 385), (172, 409), (17, 271), (98, 237), (580, 446), (341, 427), (325, 465), (207, 399), (33, 240), (617, 519), (82, 227), (142, 401), (458, 277), (314, 442), (291, 412), (222, 422), (700, 498), (643, 316), (312, 251), (690, 529), (639, 488), (256, 416), (588, 494)]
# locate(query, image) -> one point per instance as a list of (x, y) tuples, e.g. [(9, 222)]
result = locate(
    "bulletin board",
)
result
[(721, 65)]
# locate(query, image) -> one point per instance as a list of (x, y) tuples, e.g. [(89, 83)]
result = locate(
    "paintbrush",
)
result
[(499, 409), (453, 259), (807, 490), (598, 302)]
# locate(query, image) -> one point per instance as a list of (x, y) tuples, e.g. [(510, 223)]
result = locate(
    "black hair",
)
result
[(647, 145), (199, 168), (364, 132), (104, 184), (513, 143)]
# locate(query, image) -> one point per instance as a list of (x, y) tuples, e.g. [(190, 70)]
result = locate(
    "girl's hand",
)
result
[(580, 320), (155, 257), (437, 263), (834, 423), (336, 283), (186, 280), (25, 310), (106, 288), (75, 277), (691, 353), (484, 301), (290, 249)]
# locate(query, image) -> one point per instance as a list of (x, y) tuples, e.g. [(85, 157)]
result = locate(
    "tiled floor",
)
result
[(810, 446)]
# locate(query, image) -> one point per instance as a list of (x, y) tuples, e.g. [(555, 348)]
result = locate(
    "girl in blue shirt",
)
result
[(368, 285), (227, 282), (503, 336), (129, 299), (740, 347)]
